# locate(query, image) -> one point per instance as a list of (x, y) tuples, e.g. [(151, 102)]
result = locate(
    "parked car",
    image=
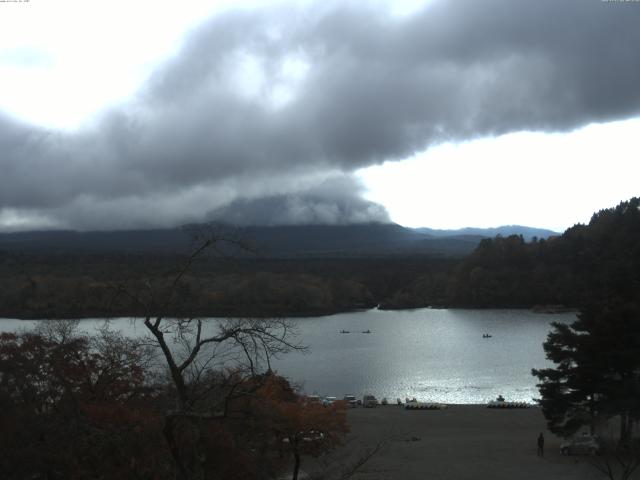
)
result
[(313, 436), (582, 445), (326, 401), (310, 436), (369, 401), (351, 400)]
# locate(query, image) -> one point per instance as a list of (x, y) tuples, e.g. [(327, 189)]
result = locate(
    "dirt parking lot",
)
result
[(462, 442)]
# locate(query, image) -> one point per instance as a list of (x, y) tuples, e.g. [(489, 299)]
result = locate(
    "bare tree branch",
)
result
[(618, 462)]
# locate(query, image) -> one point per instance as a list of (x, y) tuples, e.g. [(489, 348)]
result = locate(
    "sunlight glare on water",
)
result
[(433, 355)]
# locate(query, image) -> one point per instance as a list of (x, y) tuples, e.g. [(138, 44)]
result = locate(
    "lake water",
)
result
[(433, 355)]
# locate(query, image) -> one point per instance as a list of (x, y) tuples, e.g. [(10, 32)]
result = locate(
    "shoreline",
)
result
[(291, 314)]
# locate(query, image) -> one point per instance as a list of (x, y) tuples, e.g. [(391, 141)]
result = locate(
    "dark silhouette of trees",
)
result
[(509, 272), (597, 373), (75, 407), (586, 261)]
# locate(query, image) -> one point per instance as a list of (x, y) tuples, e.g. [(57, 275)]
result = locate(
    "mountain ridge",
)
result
[(277, 241), (504, 230)]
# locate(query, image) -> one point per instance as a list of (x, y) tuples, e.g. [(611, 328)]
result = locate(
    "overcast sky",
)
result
[(441, 114)]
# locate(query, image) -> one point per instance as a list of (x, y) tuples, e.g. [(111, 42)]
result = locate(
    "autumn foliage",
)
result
[(69, 409), (299, 426), (85, 408)]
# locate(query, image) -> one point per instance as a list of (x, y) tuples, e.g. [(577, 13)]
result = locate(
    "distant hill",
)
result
[(125, 241), (276, 241), (359, 240), (507, 230)]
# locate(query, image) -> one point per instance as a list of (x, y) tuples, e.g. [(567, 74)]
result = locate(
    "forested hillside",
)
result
[(557, 272), (508, 272), (64, 286)]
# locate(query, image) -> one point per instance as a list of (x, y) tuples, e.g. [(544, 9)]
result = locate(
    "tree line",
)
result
[(80, 286)]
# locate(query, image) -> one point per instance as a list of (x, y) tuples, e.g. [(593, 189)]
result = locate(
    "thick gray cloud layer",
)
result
[(334, 201), (259, 103)]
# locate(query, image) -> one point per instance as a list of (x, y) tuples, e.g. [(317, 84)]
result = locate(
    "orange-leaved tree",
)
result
[(299, 426)]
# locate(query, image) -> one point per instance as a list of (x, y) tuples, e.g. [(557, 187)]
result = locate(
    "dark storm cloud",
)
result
[(226, 121), (335, 201)]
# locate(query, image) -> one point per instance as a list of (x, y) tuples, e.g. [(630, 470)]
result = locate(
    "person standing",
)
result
[(541, 445)]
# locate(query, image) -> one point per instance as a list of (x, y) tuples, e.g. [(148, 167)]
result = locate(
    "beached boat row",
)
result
[(425, 406), (503, 404), (369, 401)]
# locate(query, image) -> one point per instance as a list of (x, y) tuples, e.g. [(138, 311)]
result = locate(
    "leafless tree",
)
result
[(195, 350), (59, 331)]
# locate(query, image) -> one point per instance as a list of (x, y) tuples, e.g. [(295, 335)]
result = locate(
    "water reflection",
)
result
[(436, 355)]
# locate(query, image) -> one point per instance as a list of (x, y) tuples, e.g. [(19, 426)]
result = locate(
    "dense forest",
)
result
[(509, 271), (596, 376), (73, 286), (564, 270)]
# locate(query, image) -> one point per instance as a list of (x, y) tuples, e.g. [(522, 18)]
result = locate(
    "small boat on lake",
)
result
[(366, 331), (345, 331), (486, 335)]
